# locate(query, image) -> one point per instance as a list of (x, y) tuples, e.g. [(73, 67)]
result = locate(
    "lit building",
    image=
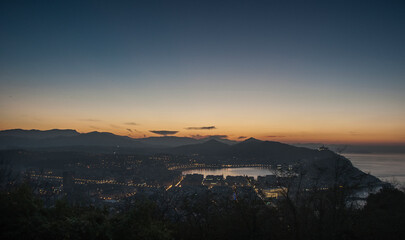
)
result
[(274, 192)]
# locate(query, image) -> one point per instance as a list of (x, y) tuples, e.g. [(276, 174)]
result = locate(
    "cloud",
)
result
[(114, 126), (275, 136), (198, 136), (242, 137), (133, 130), (131, 123), (94, 127), (89, 120), (201, 128), (163, 132)]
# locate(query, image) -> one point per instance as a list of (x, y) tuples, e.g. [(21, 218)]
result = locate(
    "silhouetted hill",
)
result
[(253, 150), (219, 139), (19, 138), (93, 139), (63, 138), (172, 141), (272, 151), (38, 134), (211, 147), (335, 169), (168, 141)]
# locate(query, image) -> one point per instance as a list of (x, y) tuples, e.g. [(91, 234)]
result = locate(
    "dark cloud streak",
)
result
[(163, 132), (198, 136), (201, 128)]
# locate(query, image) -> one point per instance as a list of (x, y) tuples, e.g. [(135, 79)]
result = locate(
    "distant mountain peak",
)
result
[(252, 139), (213, 141)]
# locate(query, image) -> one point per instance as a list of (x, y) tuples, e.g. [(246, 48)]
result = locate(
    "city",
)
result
[(202, 120), (115, 179)]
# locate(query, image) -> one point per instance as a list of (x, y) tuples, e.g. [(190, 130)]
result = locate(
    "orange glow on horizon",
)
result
[(285, 137)]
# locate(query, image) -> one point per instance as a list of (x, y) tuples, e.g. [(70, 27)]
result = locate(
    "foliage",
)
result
[(312, 215), (383, 217)]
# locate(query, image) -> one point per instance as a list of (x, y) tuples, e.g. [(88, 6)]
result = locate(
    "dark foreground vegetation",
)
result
[(314, 216)]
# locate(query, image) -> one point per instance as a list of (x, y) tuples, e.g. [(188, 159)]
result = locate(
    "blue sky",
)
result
[(291, 66)]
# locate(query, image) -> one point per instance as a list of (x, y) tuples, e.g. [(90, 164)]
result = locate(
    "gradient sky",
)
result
[(290, 71)]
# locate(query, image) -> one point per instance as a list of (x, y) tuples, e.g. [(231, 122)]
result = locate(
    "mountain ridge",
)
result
[(38, 134), (16, 138), (211, 151)]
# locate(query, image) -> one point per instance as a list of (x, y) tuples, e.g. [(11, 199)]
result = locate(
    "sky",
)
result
[(289, 71)]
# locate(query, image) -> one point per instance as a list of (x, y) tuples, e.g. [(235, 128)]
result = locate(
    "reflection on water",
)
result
[(249, 171), (384, 166)]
